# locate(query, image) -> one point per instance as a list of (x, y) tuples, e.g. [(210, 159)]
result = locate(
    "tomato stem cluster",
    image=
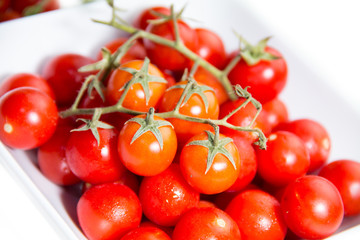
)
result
[(112, 61)]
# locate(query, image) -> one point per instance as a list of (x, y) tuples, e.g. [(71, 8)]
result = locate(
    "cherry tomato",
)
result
[(316, 138), (52, 160), (62, 74), (223, 199), (312, 207), (108, 211), (134, 153), (206, 223), (28, 118), (167, 230), (9, 15), (148, 14), (193, 107), (284, 160), (92, 161), (211, 47), (345, 175), (145, 233), (4, 5), (265, 80), (166, 57), (136, 51), (223, 171), (248, 163), (26, 80), (21, 5), (166, 196), (204, 77), (136, 98), (258, 215)]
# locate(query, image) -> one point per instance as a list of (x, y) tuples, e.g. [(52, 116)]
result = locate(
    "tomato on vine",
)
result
[(149, 14), (147, 144)]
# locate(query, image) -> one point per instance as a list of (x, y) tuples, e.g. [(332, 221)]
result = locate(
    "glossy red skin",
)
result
[(62, 74), (194, 107), (4, 5), (166, 196), (52, 160), (206, 223), (266, 79), (258, 215), (316, 138), (146, 233), (91, 162), (20, 5), (136, 51), (147, 14), (167, 230), (144, 156), (28, 118), (345, 175), (221, 175), (165, 57), (108, 211), (26, 80), (242, 118), (205, 77), (284, 160), (312, 207), (135, 97), (248, 163), (223, 199), (9, 15), (211, 47), (272, 114)]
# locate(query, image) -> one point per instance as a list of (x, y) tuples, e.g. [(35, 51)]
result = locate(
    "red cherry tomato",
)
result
[(21, 5), (194, 107), (206, 223), (316, 138), (26, 80), (204, 77), (284, 159), (165, 57), (148, 14), (167, 230), (28, 118), (62, 74), (136, 98), (211, 47), (134, 154), (221, 174), (345, 175), (145, 233), (9, 15), (91, 161), (266, 79), (52, 160), (4, 5), (166, 196), (258, 215), (108, 211), (312, 207), (136, 51)]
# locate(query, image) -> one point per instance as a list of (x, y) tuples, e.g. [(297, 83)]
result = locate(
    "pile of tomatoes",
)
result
[(13, 9), (148, 177)]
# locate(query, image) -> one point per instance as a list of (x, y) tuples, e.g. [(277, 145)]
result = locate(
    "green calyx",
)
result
[(149, 124), (252, 54), (142, 77), (214, 146)]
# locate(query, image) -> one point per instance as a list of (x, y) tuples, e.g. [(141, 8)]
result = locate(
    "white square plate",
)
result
[(26, 44)]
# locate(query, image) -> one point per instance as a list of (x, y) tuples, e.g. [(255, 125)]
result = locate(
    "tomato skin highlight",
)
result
[(108, 211), (345, 175), (91, 162), (206, 223), (144, 156), (28, 118), (221, 175), (312, 207), (258, 215), (166, 196), (146, 233)]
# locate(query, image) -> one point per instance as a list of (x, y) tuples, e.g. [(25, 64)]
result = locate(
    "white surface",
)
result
[(323, 32)]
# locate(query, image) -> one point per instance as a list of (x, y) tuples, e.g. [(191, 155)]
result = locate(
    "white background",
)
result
[(324, 33)]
